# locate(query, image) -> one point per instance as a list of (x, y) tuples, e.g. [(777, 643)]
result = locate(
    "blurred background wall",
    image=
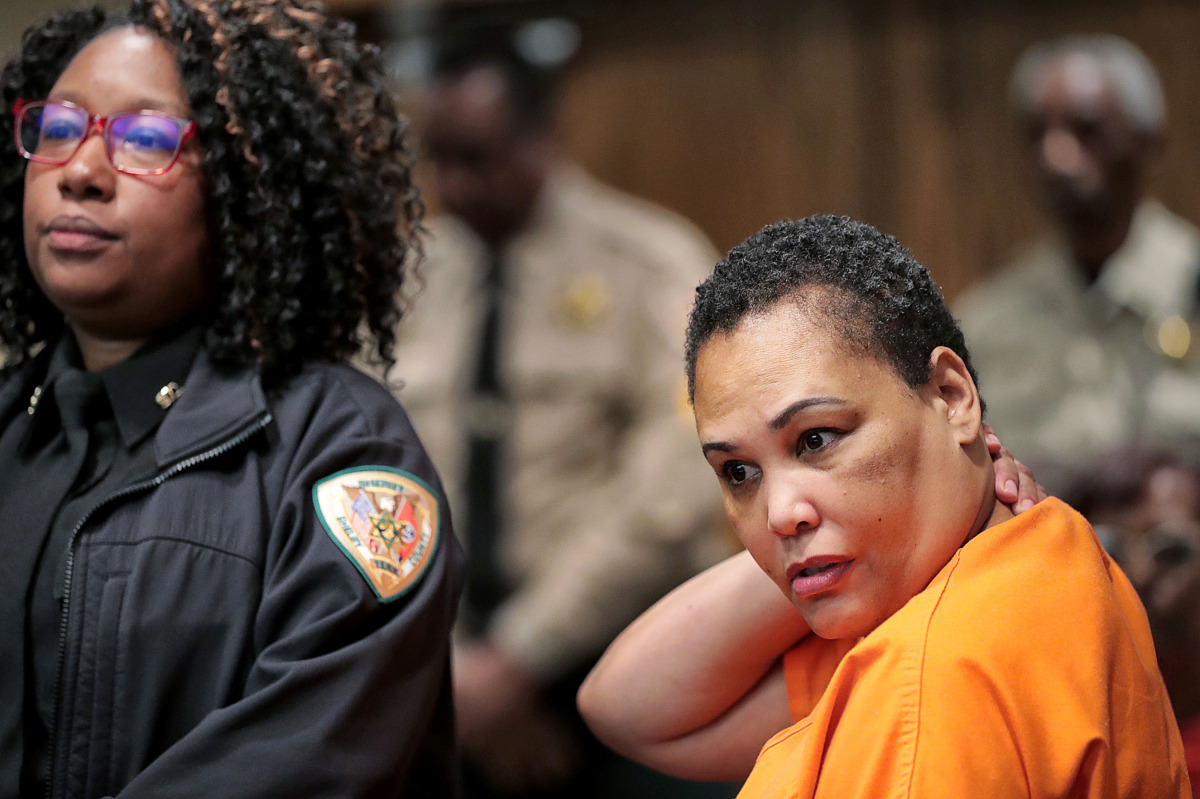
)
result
[(17, 15), (738, 113), (895, 112)]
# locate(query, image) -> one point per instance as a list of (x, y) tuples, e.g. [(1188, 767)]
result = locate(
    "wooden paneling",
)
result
[(738, 114), (17, 15)]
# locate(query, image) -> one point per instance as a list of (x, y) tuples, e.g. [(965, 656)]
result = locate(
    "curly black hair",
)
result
[(883, 303), (312, 208)]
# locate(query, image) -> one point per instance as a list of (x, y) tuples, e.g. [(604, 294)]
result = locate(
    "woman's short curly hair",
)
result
[(883, 303), (313, 213)]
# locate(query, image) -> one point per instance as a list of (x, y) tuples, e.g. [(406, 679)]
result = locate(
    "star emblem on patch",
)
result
[(385, 521)]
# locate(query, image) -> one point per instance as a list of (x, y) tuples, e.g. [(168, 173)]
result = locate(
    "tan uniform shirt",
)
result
[(1069, 371), (609, 502)]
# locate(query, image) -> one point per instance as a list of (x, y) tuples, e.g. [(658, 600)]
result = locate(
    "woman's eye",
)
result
[(148, 138), (736, 472), (815, 440), (60, 130)]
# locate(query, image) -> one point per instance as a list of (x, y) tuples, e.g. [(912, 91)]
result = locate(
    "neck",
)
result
[(1093, 242), (991, 510), (996, 511), (100, 352)]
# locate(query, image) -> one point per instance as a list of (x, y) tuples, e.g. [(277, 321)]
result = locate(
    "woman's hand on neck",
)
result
[(993, 509)]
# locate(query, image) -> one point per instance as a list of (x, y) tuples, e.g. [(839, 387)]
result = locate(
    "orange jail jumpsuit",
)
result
[(1024, 669)]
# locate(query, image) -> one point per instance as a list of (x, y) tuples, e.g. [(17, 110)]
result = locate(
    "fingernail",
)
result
[(1011, 486), (1024, 505)]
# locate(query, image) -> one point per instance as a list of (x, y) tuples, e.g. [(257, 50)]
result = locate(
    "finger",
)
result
[(1008, 478), (991, 439), (1027, 489)]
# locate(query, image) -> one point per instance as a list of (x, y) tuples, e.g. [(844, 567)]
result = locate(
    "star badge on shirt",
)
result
[(584, 301)]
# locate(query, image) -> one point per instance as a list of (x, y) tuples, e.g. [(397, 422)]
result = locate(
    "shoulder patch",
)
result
[(385, 521)]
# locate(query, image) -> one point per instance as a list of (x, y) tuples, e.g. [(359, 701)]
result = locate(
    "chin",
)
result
[(832, 620)]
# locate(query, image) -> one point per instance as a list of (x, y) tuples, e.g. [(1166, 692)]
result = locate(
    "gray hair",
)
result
[(1133, 78)]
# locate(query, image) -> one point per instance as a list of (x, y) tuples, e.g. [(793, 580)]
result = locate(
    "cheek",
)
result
[(171, 219), (735, 511), (750, 527), (880, 486), (884, 507), (168, 246), (34, 200)]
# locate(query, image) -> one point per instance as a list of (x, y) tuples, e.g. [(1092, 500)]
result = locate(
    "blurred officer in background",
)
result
[(1086, 340), (542, 368)]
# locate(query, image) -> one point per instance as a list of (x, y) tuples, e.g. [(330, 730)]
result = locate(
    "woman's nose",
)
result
[(89, 173), (790, 505)]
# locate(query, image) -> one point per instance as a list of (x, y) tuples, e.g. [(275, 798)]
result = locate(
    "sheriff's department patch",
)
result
[(385, 521)]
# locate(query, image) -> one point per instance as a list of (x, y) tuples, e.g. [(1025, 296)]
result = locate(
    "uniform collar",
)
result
[(1153, 273), (141, 388), (547, 213), (216, 405)]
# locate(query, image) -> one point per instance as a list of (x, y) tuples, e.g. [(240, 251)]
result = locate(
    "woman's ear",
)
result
[(954, 394)]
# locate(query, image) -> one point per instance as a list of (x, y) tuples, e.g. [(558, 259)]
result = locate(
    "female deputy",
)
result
[(227, 565), (959, 650)]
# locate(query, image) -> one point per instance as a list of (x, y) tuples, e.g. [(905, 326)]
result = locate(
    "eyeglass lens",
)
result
[(139, 141)]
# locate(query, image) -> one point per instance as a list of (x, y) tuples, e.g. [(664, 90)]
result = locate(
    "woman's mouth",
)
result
[(77, 234), (818, 574)]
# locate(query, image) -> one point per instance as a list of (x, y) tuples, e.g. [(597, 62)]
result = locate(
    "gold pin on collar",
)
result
[(168, 394)]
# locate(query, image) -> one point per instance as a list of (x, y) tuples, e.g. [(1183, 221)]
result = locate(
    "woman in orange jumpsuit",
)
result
[(943, 646)]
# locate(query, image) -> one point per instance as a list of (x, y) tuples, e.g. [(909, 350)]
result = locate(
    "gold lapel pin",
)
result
[(168, 394)]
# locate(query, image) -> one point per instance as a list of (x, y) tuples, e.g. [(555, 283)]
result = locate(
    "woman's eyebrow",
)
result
[(136, 104), (783, 417), (780, 421), (150, 104)]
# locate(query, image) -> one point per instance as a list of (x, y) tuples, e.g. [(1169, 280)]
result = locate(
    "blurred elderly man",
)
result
[(1087, 339), (543, 367)]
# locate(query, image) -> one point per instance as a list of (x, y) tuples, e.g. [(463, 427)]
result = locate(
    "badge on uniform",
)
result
[(386, 523), (584, 301)]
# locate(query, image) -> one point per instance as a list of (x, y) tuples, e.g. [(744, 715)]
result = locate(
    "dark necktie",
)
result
[(76, 393), (489, 417)]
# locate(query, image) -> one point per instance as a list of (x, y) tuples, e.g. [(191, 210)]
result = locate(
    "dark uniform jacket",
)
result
[(220, 638)]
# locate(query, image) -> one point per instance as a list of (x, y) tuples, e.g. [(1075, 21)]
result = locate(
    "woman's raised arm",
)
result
[(695, 686)]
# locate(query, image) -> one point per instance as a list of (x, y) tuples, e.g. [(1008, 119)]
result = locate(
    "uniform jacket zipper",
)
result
[(228, 444)]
